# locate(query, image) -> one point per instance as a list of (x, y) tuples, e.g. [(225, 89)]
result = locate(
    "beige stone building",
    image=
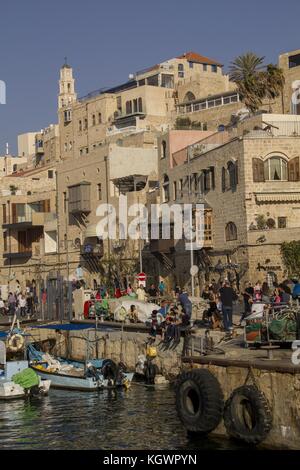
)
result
[(248, 181), (28, 221), (131, 140)]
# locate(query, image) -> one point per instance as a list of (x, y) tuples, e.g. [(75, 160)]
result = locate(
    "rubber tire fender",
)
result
[(199, 401), (247, 398)]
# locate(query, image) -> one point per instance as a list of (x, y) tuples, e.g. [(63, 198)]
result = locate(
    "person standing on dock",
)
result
[(227, 295)]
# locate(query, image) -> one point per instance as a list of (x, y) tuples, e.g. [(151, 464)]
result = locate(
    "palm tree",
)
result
[(254, 80), (274, 82)]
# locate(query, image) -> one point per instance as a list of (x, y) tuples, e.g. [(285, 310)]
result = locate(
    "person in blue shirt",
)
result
[(185, 303), (296, 290)]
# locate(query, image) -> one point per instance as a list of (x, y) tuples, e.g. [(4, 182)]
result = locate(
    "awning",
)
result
[(91, 231), (278, 197)]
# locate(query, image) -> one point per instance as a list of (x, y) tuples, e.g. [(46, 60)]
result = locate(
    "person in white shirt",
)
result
[(22, 305), (2, 307)]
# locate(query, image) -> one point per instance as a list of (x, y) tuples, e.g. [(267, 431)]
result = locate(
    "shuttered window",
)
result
[(293, 169), (258, 170)]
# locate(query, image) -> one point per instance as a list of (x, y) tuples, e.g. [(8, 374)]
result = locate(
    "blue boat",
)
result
[(85, 376)]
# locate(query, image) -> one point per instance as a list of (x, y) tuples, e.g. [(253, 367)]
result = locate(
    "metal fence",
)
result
[(58, 305)]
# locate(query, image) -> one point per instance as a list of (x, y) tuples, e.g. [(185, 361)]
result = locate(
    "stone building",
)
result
[(28, 221), (248, 182)]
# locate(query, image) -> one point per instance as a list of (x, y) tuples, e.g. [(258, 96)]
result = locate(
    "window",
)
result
[(69, 87), (65, 201), (275, 169), (206, 178), (94, 120), (70, 145), (214, 68), (81, 151), (4, 215), (119, 103), (204, 68), (99, 118), (230, 232), (50, 174), (65, 147), (224, 179), (80, 126), (153, 80), (189, 96), (174, 190), (128, 107), (180, 70), (85, 124), (99, 191), (86, 150), (163, 149), (294, 61), (232, 171), (67, 116), (191, 65), (140, 105), (166, 189), (5, 244), (135, 106), (282, 222)]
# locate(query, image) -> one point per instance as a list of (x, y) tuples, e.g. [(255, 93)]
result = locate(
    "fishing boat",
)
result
[(85, 376), (17, 380)]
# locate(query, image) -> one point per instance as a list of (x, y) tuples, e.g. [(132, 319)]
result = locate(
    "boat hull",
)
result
[(64, 381)]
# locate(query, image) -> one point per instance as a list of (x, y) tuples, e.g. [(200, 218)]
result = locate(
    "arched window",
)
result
[(230, 232), (166, 189), (224, 179), (275, 169), (94, 120), (128, 106), (99, 118), (163, 149), (80, 126), (232, 171), (189, 96)]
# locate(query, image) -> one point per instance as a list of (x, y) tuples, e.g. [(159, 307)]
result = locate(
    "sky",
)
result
[(105, 41)]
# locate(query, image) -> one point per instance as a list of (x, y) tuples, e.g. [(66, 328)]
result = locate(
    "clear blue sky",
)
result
[(106, 40)]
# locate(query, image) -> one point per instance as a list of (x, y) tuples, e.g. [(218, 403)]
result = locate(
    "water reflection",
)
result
[(140, 418)]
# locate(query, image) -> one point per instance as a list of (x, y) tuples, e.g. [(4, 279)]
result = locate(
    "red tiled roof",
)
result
[(31, 171), (200, 59)]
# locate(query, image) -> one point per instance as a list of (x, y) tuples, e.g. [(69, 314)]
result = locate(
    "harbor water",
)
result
[(142, 417)]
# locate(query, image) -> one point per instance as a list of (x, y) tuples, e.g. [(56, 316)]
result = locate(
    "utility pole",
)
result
[(191, 226)]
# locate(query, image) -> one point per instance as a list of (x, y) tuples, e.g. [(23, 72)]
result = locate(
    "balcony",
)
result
[(79, 198), (88, 250), (17, 254)]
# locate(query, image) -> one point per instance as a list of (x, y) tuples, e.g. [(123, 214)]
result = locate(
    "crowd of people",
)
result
[(221, 299), (20, 302)]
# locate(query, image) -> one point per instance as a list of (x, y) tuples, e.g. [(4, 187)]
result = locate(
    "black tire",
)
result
[(247, 416), (199, 401)]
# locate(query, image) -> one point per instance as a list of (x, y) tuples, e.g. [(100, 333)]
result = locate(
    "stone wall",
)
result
[(115, 345), (282, 393)]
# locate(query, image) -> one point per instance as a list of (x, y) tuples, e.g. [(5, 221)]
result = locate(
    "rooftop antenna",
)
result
[(66, 60)]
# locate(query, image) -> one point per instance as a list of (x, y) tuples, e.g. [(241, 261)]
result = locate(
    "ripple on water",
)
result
[(140, 418)]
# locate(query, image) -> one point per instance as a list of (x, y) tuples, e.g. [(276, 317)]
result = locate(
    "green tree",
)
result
[(290, 252), (255, 81)]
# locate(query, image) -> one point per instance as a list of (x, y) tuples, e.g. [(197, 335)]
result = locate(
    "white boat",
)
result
[(8, 388), (77, 376)]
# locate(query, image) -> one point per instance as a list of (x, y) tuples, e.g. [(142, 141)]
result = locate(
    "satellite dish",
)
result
[(194, 270)]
